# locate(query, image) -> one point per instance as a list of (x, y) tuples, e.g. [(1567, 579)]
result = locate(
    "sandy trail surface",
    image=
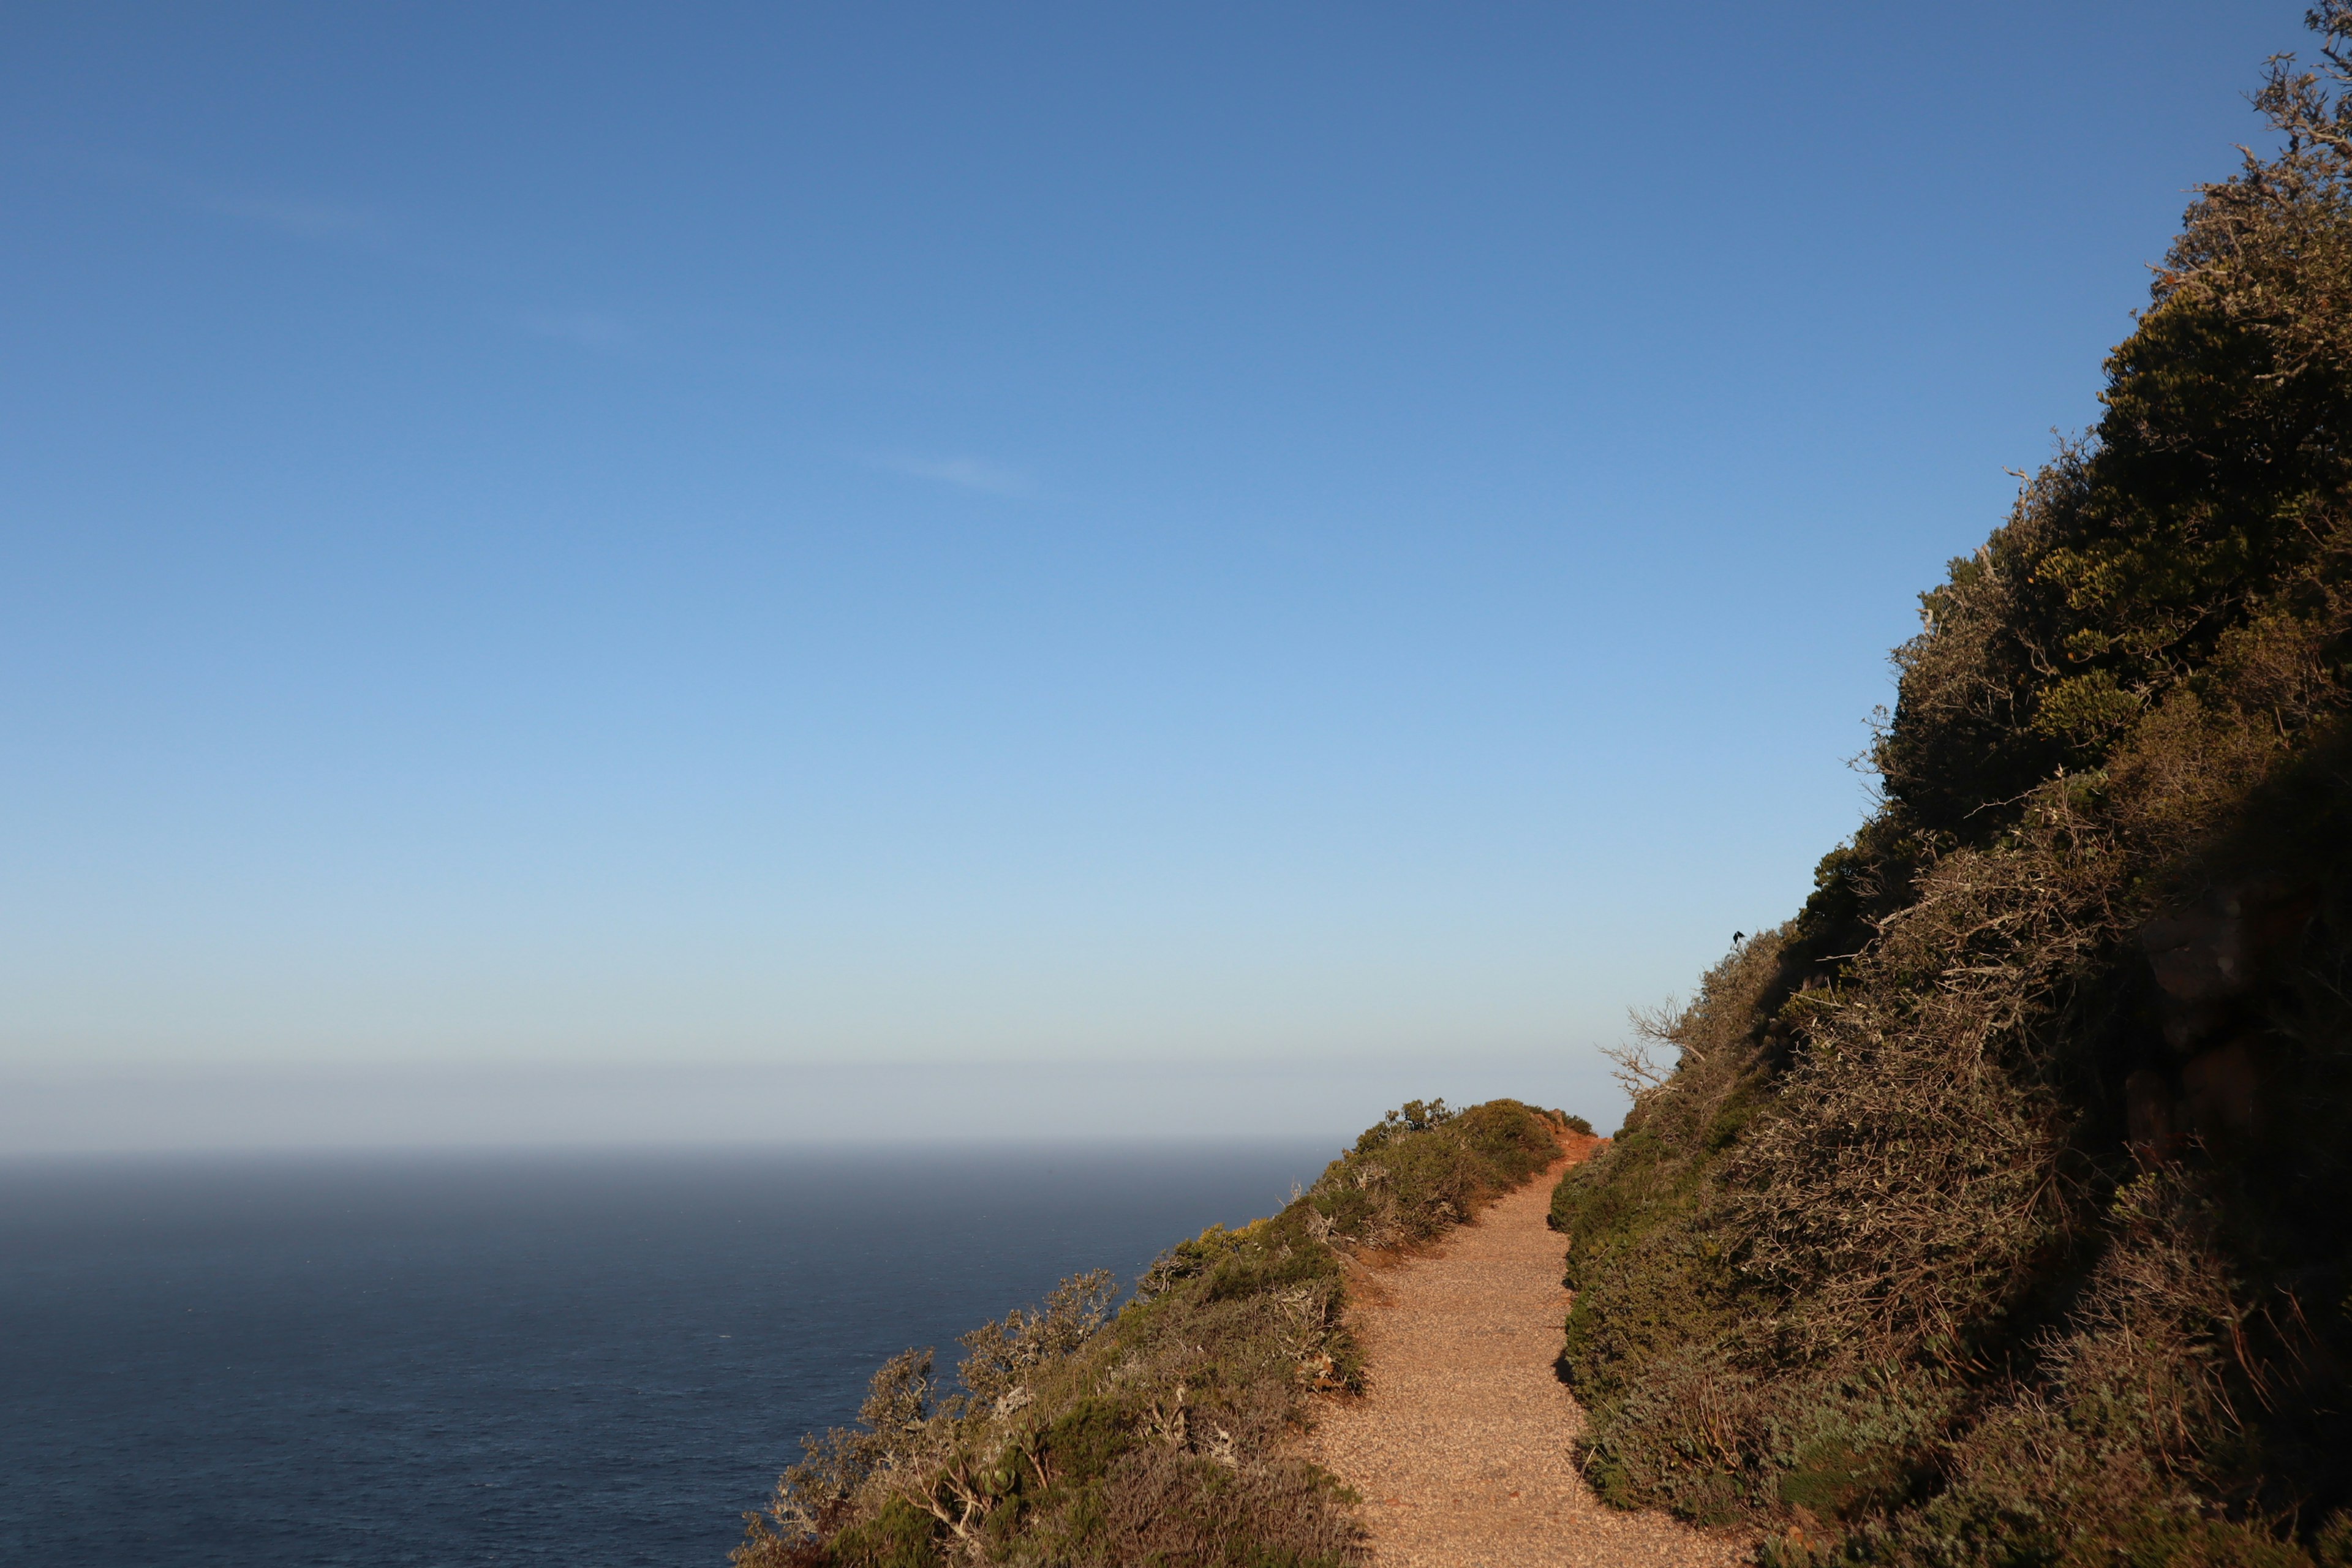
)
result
[(1460, 1447)]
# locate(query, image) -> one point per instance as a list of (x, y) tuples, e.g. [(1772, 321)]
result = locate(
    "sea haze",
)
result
[(598, 1359)]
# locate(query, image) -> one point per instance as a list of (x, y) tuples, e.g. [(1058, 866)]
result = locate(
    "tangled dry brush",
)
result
[(1995, 1210)]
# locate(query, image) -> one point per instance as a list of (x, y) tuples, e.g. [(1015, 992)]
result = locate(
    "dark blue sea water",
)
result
[(596, 1359)]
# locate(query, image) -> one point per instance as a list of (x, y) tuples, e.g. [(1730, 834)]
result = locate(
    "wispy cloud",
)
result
[(583, 329), (356, 224), (965, 473), (319, 222)]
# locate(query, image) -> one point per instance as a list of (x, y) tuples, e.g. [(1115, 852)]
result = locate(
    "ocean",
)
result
[(597, 1359)]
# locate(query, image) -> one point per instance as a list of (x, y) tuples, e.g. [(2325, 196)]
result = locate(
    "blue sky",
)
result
[(1337, 541)]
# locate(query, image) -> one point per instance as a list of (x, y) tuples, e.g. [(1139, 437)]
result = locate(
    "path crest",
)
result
[(1460, 1446)]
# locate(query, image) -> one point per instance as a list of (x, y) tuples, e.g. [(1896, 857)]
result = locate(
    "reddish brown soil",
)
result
[(1460, 1447)]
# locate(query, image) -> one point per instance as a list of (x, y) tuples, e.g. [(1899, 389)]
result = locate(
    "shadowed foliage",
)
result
[(1994, 1209)]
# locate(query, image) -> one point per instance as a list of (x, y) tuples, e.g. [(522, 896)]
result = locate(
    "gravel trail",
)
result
[(1460, 1446)]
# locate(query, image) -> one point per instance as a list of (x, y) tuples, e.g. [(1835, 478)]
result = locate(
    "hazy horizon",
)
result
[(624, 571), (393, 1108)]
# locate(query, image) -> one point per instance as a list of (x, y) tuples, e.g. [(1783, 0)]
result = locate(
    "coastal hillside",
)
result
[(1163, 1432), (1997, 1208)]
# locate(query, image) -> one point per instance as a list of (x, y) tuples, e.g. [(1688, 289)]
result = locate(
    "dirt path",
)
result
[(1460, 1447)]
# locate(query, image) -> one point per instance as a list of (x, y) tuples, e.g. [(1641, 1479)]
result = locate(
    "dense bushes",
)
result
[(1994, 1209), (1425, 1169), (1159, 1434)]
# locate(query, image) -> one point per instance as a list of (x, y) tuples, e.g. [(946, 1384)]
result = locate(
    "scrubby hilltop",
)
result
[(1998, 1208)]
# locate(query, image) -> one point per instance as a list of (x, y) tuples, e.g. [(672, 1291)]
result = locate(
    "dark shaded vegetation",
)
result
[(1161, 1432), (1997, 1209)]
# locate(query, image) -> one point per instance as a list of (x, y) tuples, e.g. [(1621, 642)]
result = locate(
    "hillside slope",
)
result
[(1998, 1208), (1163, 1433)]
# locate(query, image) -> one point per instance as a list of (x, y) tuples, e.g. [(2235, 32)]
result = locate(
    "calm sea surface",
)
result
[(596, 1359)]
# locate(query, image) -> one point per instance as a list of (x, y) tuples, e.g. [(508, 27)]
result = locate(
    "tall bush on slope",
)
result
[(1994, 1211)]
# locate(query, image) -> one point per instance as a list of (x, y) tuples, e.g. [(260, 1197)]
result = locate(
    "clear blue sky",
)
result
[(726, 537)]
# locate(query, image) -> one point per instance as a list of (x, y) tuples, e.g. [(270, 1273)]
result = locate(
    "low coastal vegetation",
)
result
[(1997, 1209), (1162, 1431)]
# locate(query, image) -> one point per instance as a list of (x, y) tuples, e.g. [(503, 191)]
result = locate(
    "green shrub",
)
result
[(1403, 1184)]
